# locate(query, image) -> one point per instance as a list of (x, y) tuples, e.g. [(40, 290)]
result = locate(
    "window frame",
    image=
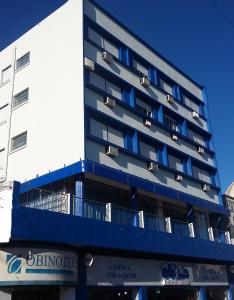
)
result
[(14, 105), (13, 139), (17, 68), (3, 82)]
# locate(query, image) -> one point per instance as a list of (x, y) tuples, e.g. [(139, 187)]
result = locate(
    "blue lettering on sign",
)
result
[(173, 271)]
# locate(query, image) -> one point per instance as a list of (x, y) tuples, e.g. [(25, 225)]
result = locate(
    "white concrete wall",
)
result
[(54, 116)]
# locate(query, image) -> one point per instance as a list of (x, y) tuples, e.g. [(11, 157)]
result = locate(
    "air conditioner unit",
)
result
[(206, 187), (144, 81), (174, 137), (170, 99), (152, 166), (178, 177), (195, 115), (200, 150), (147, 123), (107, 57), (89, 64), (111, 151), (109, 102)]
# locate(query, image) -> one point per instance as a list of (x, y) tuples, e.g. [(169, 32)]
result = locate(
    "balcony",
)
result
[(36, 215), (107, 212)]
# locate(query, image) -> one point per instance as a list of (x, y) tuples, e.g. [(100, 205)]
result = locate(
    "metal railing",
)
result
[(60, 202), (179, 227), (46, 200), (94, 210)]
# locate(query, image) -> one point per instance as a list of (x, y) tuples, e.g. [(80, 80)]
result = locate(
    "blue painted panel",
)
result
[(59, 174), (38, 225), (202, 293), (79, 198)]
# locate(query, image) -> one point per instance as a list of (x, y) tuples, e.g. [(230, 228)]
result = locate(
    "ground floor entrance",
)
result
[(30, 293)]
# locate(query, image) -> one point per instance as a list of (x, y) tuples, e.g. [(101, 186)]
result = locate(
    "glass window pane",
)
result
[(22, 61), (109, 47), (20, 98), (98, 129), (19, 141), (97, 80), (6, 74), (3, 113), (95, 37), (114, 90), (140, 67), (168, 88), (147, 151), (194, 106), (171, 123), (175, 163), (116, 137)]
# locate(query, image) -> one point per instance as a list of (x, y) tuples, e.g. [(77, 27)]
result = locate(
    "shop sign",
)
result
[(22, 265), (114, 271)]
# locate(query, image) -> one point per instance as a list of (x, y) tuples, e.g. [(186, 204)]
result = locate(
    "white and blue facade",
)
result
[(114, 186)]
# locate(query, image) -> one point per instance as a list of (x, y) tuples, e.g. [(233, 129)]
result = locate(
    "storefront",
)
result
[(38, 274), (124, 278)]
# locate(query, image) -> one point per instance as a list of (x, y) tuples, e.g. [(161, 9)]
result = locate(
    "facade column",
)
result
[(202, 293), (79, 198), (134, 205)]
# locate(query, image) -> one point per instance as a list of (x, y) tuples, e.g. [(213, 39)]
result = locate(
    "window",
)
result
[(106, 133), (148, 151), (171, 123), (18, 141), (175, 162), (201, 174), (3, 113), (103, 42), (166, 86), (139, 67), (143, 108), (22, 61), (6, 74), (105, 85), (190, 103), (196, 137), (1, 157), (20, 98)]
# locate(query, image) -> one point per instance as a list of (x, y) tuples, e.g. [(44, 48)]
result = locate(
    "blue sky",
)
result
[(196, 35)]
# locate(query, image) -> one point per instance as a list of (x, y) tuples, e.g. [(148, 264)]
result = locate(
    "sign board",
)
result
[(6, 193), (19, 265), (116, 271)]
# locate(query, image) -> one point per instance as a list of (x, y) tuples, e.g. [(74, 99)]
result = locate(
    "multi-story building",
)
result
[(109, 182)]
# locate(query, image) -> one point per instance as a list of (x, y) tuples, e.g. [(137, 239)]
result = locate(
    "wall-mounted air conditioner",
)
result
[(147, 123), (111, 151), (174, 137), (107, 57), (170, 99), (178, 177), (195, 115), (144, 81), (110, 102), (89, 64), (152, 166), (200, 150), (206, 187)]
